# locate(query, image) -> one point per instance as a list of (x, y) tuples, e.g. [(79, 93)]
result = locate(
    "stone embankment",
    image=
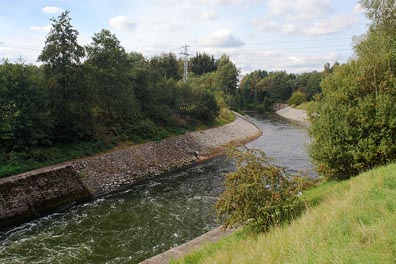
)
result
[(27, 195), (294, 114)]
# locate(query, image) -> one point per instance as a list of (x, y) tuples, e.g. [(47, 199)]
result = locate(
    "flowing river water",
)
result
[(149, 218)]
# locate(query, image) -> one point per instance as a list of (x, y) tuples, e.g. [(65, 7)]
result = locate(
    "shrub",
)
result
[(353, 128), (297, 98), (258, 194)]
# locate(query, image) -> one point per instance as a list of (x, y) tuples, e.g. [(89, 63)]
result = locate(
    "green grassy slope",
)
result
[(347, 222)]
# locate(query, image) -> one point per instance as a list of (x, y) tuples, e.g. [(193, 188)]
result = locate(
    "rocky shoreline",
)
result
[(112, 171)]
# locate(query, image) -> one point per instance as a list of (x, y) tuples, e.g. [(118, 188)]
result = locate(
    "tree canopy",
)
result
[(354, 120)]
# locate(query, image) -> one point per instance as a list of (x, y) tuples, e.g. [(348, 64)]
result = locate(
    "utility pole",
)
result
[(185, 53)]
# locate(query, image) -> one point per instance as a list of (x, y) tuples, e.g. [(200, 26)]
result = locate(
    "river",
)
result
[(150, 217)]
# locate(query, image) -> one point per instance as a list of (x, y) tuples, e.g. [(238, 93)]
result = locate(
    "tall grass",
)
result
[(347, 222)]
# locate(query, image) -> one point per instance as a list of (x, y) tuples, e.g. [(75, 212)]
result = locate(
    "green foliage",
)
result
[(258, 194), (259, 90), (108, 96), (166, 66), (226, 76), (24, 114), (308, 83), (202, 63), (113, 104), (297, 98), (19, 161), (354, 121), (62, 56)]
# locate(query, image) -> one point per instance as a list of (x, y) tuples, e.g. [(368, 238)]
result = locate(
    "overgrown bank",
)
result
[(346, 222)]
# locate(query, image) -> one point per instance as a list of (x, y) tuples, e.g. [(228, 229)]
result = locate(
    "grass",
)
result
[(352, 221), (304, 106), (226, 116), (18, 162)]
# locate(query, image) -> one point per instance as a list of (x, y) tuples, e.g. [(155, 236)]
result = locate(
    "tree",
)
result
[(166, 66), (227, 76), (24, 113), (308, 83), (62, 56), (202, 63), (248, 86), (297, 98), (354, 120), (115, 106)]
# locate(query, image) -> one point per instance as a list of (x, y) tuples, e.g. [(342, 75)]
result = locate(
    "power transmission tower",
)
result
[(185, 53)]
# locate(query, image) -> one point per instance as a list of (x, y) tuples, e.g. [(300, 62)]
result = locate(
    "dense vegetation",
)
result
[(350, 221), (83, 100), (260, 89), (354, 119)]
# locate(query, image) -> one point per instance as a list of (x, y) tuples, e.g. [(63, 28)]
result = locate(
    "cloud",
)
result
[(221, 2), (209, 15), (46, 28), (331, 25), (221, 39), (51, 10), (299, 9), (265, 25), (122, 23), (290, 29)]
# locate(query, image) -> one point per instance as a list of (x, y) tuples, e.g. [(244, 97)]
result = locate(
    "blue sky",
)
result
[(291, 35)]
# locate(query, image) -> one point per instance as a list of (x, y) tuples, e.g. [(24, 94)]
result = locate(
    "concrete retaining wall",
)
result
[(30, 194)]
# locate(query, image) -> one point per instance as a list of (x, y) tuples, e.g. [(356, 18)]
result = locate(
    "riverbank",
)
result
[(22, 198), (293, 114), (350, 221)]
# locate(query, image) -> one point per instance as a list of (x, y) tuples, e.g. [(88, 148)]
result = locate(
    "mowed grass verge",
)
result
[(353, 221)]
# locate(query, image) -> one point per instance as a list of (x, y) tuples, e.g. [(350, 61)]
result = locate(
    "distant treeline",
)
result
[(260, 89)]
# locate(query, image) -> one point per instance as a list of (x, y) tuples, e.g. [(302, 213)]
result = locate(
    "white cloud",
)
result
[(265, 25), (209, 15), (122, 23), (46, 28), (222, 38), (51, 10), (221, 2), (332, 25), (290, 29), (299, 9)]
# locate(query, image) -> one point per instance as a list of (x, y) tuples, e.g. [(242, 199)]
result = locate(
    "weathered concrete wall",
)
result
[(33, 193), (24, 196)]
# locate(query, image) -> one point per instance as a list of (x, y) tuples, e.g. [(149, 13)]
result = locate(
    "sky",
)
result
[(292, 35)]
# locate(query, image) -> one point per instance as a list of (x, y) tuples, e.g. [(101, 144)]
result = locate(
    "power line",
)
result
[(298, 41), (19, 46)]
